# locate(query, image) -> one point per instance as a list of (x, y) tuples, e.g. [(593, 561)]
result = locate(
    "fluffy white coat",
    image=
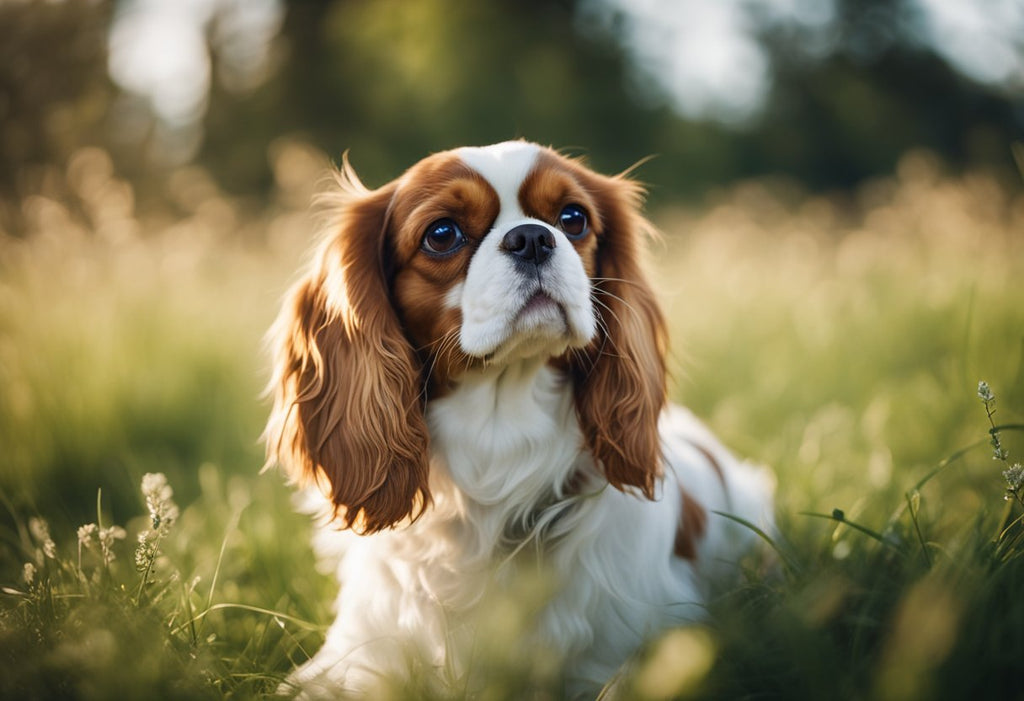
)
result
[(515, 491)]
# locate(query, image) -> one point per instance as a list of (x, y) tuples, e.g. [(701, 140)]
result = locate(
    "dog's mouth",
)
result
[(540, 304), (541, 315), (532, 317), (540, 327)]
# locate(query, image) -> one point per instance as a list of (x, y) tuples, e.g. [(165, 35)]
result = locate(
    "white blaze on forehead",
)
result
[(496, 321), (505, 166)]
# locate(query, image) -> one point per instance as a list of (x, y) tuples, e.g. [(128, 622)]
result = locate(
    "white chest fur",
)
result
[(507, 439), (508, 460)]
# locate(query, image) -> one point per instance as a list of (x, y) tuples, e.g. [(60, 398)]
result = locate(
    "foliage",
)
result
[(392, 81), (51, 102), (839, 340)]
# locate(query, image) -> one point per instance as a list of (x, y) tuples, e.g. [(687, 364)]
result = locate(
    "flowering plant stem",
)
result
[(143, 582)]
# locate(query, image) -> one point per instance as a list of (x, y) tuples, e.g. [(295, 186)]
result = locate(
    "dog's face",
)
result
[(473, 259), (495, 250)]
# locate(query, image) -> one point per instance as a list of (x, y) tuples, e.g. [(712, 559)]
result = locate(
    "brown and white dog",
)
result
[(474, 361)]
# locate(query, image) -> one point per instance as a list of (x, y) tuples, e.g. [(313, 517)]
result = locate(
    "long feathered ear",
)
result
[(620, 379), (346, 384)]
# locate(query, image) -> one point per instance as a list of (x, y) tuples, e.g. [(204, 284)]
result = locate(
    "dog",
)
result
[(474, 362)]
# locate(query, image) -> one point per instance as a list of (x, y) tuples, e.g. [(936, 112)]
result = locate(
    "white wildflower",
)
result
[(40, 530), (86, 534), (107, 536), (985, 393), (1014, 477), (154, 485), (145, 554), (86, 539), (163, 512), (29, 573)]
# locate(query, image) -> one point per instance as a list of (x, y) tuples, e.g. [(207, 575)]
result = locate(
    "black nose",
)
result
[(530, 243)]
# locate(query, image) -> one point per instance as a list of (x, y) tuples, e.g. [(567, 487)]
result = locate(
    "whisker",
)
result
[(583, 359), (449, 342), (616, 279), (607, 337), (598, 291), (601, 320), (443, 346)]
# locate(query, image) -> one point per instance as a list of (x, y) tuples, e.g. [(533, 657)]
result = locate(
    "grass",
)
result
[(839, 340)]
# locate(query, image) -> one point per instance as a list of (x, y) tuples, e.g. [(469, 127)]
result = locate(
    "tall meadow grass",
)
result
[(839, 339)]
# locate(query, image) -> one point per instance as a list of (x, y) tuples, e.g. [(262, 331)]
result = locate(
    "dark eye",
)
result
[(573, 221), (443, 237)]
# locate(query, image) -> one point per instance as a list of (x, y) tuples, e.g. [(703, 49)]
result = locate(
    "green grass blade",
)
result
[(841, 518), (232, 525), (909, 498), (305, 625), (787, 560)]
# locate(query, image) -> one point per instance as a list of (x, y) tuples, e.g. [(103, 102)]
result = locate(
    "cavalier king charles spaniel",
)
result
[(475, 363)]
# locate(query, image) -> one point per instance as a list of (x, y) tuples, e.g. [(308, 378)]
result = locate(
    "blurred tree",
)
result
[(392, 80), (847, 111), (54, 90)]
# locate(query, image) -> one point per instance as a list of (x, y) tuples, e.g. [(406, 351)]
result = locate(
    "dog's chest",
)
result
[(507, 439)]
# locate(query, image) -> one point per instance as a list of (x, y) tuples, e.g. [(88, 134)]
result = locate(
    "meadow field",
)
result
[(839, 339)]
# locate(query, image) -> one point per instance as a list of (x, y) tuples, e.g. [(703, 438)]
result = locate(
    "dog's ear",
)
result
[(348, 411), (620, 378)]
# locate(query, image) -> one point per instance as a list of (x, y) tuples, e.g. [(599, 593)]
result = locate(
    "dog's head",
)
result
[(475, 258)]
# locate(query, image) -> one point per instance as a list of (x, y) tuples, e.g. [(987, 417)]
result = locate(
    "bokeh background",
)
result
[(838, 183), (827, 92), (187, 136)]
